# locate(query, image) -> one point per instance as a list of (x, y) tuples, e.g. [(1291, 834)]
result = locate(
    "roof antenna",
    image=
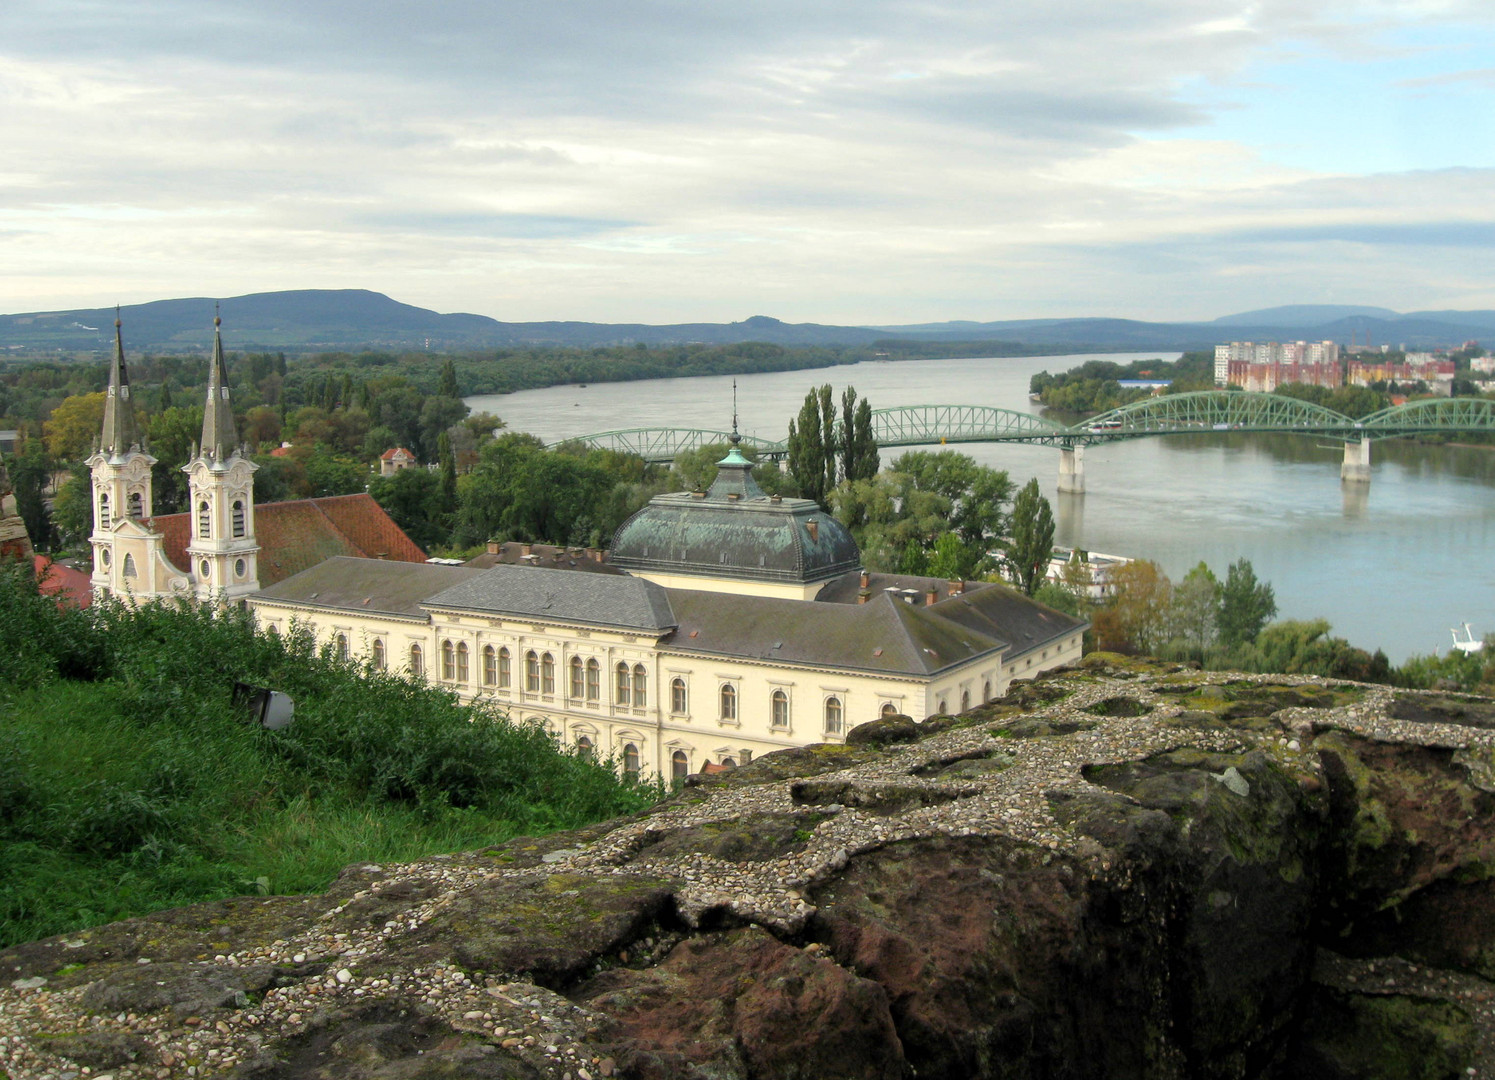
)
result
[(734, 438)]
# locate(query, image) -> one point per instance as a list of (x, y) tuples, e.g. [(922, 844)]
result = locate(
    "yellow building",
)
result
[(727, 624)]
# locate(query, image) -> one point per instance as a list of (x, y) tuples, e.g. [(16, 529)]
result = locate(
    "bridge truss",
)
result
[(1202, 412)]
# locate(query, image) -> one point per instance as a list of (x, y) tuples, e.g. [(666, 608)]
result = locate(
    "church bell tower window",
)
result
[(238, 512), (204, 520), (103, 512), (137, 506)]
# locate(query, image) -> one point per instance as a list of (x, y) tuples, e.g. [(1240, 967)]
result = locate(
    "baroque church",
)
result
[(721, 625), (222, 549)]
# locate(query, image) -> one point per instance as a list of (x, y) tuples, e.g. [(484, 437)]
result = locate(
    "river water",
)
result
[(1393, 564)]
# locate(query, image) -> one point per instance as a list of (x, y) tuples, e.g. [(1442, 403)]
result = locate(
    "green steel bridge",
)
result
[(1202, 412)]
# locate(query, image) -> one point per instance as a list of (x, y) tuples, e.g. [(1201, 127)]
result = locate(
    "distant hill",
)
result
[(334, 319)]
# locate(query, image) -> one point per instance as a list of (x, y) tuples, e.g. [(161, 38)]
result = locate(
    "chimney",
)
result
[(813, 527), (957, 586), (527, 550), (930, 596), (495, 548), (862, 596), (866, 579)]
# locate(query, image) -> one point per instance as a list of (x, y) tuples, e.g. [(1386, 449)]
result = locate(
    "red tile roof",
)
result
[(295, 536), (389, 454), (66, 583)]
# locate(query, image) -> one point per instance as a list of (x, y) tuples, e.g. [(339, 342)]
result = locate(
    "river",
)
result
[(1393, 564)]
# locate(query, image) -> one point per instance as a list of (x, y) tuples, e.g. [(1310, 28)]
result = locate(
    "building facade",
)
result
[(1262, 366), (729, 624)]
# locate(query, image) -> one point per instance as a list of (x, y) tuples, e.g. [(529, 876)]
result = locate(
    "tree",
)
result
[(173, 433), (448, 461), (1032, 542), (1246, 605), (1196, 607), (859, 459), (829, 440), (953, 559), (412, 497), (30, 472), (74, 425), (977, 494), (72, 509), (448, 385), (1136, 619), (807, 451)]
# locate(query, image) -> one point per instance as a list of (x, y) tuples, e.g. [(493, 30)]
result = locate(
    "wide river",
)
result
[(1393, 564)]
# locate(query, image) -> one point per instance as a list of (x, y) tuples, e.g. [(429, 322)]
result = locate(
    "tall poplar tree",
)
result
[(1032, 543), (859, 459)]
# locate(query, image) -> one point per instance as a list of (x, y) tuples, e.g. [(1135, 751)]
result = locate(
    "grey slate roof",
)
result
[(619, 602), (1007, 613), (883, 636), (735, 531), (368, 585)]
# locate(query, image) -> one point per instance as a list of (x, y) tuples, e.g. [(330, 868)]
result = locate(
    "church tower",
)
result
[(121, 480), (223, 551)]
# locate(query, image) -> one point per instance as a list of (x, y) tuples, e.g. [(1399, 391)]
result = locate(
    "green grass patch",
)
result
[(130, 782)]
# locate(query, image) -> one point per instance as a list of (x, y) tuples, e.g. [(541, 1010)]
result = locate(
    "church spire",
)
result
[(120, 433), (219, 438)]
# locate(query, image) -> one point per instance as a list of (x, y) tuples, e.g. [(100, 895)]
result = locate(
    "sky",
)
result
[(849, 161)]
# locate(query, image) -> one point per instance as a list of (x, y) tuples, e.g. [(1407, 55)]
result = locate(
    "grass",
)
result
[(129, 781)]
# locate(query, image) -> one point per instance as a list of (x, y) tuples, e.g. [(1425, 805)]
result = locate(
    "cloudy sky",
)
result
[(847, 161)]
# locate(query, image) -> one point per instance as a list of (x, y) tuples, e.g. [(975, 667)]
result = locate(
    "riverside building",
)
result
[(722, 625)]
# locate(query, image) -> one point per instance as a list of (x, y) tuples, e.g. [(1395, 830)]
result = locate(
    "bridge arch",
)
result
[(1463, 414), (922, 425), (1214, 410)]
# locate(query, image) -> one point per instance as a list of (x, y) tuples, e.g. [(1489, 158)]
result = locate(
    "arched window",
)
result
[(594, 680), (889, 709), (461, 661), (532, 672), (780, 703), (630, 761), (623, 691), (417, 661), (129, 568), (490, 666), (640, 686), (584, 749), (942, 709), (833, 720), (204, 520), (378, 655), (728, 702), (238, 515), (729, 763), (547, 674), (678, 698), (342, 646), (986, 690), (578, 677), (504, 675), (679, 766), (137, 506), (965, 700), (448, 668), (103, 511)]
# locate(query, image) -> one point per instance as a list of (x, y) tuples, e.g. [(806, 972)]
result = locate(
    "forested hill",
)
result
[(319, 320)]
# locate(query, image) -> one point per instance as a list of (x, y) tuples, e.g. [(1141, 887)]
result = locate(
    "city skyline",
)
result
[(871, 163)]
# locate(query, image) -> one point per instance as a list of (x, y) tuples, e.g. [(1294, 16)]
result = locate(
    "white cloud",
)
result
[(668, 161)]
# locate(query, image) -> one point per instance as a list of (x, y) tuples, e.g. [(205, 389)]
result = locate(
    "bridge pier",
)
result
[(1356, 467), (1072, 470)]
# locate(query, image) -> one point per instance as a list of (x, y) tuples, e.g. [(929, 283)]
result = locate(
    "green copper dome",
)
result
[(734, 530)]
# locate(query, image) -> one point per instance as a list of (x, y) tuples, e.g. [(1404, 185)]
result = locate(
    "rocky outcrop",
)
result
[(15, 542), (1120, 870)]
